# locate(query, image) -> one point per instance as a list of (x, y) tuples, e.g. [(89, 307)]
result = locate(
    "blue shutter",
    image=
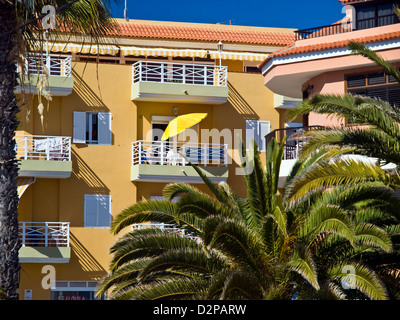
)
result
[(90, 211), (104, 127), (79, 129), (97, 211), (264, 127), (104, 210), (251, 132)]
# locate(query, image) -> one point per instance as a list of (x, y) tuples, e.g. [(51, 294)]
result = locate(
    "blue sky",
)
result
[(267, 13)]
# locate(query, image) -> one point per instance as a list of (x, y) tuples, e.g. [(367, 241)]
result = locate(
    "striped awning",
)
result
[(80, 48), (23, 184), (163, 52), (243, 56), (113, 50)]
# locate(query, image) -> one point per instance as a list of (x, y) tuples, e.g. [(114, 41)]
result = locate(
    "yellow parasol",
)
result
[(182, 123)]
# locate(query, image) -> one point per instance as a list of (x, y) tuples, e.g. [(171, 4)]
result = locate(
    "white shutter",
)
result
[(251, 132), (104, 210), (90, 211), (97, 211), (79, 130), (264, 127), (104, 127)]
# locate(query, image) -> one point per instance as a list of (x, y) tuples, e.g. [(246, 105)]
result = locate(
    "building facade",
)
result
[(320, 62), (90, 144)]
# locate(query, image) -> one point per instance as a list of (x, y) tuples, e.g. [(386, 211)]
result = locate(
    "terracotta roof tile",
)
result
[(292, 50), (192, 33)]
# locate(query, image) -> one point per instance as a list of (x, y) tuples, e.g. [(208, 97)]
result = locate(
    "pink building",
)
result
[(320, 62)]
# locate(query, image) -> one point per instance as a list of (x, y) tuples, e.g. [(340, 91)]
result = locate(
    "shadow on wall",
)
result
[(240, 104), (88, 96), (92, 268), (86, 175)]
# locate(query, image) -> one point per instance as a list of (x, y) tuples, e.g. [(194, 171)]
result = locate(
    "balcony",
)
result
[(44, 242), (167, 227), (58, 68), (161, 161), (44, 156), (322, 31), (348, 26), (295, 140), (179, 82)]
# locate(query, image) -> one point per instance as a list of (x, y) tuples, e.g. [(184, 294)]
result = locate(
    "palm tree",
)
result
[(272, 244), (375, 134), (20, 27)]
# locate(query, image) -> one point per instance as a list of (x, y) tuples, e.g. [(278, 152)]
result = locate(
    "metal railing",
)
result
[(295, 140), (346, 26), (43, 148), (54, 64), (44, 234), (200, 74), (167, 227), (169, 153), (328, 30)]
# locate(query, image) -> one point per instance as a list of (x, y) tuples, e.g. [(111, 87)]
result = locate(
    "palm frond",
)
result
[(241, 285), (302, 263), (172, 290), (371, 235), (155, 210), (144, 243), (341, 171), (361, 49), (361, 279), (327, 219)]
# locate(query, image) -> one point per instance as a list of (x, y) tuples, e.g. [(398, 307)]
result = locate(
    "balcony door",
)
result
[(159, 148)]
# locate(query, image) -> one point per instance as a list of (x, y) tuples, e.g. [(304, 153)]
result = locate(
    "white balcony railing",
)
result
[(44, 234), (167, 227), (200, 74), (168, 153), (295, 140), (43, 148), (56, 64)]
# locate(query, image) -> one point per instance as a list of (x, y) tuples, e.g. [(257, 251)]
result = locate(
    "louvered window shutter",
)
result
[(251, 132), (79, 127), (104, 127), (97, 211), (264, 127)]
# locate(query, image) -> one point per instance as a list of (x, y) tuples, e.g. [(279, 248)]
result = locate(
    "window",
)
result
[(97, 211), (92, 128), (257, 130), (377, 15), (252, 69), (75, 290), (375, 85)]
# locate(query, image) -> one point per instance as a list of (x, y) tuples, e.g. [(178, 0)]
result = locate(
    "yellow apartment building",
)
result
[(94, 147)]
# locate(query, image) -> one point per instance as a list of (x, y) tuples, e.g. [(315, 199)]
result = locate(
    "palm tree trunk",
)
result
[(9, 239)]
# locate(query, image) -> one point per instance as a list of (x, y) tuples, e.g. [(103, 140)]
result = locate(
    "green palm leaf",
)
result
[(369, 234), (362, 279), (302, 263)]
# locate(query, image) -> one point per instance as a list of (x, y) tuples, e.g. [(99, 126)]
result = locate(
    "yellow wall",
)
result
[(106, 169)]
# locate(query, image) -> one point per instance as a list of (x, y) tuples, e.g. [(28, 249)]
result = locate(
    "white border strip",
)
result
[(323, 54)]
